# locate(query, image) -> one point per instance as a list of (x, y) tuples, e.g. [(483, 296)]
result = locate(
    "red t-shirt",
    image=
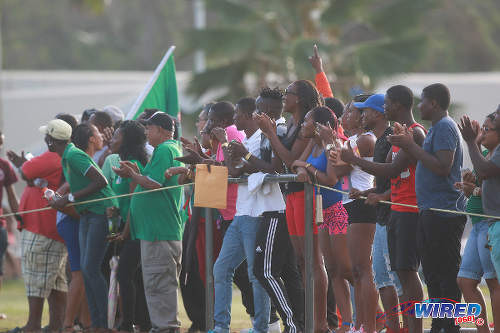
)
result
[(7, 178), (403, 186), (47, 166)]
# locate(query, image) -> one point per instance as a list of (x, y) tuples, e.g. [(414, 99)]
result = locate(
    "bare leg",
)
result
[(412, 292), (84, 311), (360, 240), (57, 305), (342, 272), (494, 288), (76, 293), (472, 294), (389, 299), (35, 314)]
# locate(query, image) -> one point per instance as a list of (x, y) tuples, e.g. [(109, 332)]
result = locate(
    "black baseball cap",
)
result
[(162, 120)]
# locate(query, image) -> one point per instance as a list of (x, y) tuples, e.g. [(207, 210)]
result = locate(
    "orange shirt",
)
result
[(323, 85)]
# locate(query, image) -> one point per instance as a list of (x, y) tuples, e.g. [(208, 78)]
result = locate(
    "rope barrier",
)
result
[(414, 206), (177, 186), (97, 200)]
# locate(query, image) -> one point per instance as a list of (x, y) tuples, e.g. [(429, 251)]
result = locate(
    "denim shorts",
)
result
[(476, 260), (494, 242), (382, 274)]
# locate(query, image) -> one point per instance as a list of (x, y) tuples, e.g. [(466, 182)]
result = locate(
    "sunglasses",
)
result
[(289, 92)]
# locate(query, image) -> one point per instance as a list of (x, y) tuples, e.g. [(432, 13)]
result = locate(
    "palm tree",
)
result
[(252, 43)]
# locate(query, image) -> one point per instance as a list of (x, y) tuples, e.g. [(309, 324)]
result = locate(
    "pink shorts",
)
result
[(335, 219)]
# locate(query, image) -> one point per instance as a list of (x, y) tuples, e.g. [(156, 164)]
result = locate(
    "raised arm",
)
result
[(483, 168), (321, 80)]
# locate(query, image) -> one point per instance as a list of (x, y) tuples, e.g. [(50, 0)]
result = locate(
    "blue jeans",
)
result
[(382, 273), (476, 260), (238, 244), (494, 241), (92, 238)]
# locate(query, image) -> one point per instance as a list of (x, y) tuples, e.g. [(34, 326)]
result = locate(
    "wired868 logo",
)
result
[(447, 308)]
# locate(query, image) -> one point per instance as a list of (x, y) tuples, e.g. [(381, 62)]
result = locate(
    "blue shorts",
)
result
[(68, 230), (494, 241), (476, 260), (382, 274)]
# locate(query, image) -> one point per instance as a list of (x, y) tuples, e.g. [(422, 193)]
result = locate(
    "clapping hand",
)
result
[(237, 150), (107, 135), (326, 133), (220, 134), (127, 169), (170, 172), (15, 159), (402, 137), (470, 129), (266, 124)]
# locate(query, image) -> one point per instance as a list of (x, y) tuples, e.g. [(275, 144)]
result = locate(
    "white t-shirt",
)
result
[(256, 203), (358, 178)]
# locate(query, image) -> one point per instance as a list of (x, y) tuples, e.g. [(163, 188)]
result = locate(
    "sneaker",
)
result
[(246, 330), (274, 327)]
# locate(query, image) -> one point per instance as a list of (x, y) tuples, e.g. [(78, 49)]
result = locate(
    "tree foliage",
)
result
[(252, 43)]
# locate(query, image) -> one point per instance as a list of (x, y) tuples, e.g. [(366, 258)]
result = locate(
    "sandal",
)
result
[(21, 330), (16, 330)]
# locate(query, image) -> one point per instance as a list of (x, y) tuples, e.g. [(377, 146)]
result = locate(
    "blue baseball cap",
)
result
[(375, 102)]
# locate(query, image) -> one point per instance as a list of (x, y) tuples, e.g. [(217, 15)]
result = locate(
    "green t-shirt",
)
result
[(474, 204), (76, 163), (111, 161), (156, 216), (121, 185)]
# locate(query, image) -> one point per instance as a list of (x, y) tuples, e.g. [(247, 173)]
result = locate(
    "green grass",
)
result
[(14, 304)]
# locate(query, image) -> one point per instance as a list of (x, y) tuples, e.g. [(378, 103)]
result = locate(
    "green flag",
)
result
[(161, 90)]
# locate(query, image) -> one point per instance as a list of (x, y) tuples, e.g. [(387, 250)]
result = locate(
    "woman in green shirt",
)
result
[(128, 144), (87, 182)]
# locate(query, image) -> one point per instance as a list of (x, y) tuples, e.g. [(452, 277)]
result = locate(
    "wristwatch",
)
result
[(247, 156), (71, 198), (224, 145), (329, 146)]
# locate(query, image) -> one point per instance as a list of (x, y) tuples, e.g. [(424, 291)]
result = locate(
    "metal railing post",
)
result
[(309, 258), (209, 277)]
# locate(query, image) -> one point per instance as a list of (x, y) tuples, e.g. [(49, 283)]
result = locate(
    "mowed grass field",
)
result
[(14, 304)]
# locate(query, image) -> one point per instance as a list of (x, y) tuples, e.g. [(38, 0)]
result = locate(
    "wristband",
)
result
[(71, 198), (248, 155)]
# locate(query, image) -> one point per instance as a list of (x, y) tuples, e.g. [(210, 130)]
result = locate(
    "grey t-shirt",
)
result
[(491, 189)]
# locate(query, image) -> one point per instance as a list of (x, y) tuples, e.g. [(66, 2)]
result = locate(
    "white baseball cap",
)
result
[(58, 129), (114, 112)]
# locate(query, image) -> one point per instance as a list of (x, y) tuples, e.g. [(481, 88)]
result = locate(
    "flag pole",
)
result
[(149, 85)]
